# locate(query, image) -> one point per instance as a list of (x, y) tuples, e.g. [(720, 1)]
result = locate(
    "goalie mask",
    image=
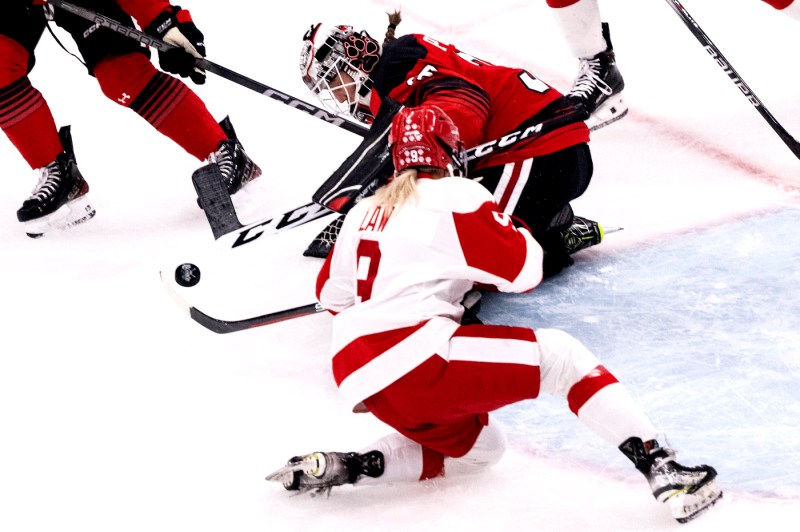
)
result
[(336, 63), (426, 136)]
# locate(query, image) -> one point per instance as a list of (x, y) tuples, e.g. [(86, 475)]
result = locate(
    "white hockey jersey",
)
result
[(396, 278)]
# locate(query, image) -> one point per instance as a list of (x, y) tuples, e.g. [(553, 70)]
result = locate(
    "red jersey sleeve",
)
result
[(144, 11), (491, 243)]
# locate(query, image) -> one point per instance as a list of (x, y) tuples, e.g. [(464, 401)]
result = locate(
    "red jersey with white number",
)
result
[(485, 101), (396, 278)]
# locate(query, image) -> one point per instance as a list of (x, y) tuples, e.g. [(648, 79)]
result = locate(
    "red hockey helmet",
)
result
[(426, 136), (330, 51)]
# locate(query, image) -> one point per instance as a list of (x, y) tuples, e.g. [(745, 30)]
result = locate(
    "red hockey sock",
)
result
[(779, 4), (24, 114), (561, 3), (164, 101)]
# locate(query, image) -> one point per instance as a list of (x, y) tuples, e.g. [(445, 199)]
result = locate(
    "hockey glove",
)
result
[(174, 26)]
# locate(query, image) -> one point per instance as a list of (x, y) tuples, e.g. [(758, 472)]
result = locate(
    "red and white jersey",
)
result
[(396, 278)]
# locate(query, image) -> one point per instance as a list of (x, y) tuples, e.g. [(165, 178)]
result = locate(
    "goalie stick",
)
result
[(341, 190), (221, 215), (205, 64), (717, 56)]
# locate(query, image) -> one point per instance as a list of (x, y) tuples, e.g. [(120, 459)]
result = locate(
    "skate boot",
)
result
[(59, 200), (597, 91), (236, 166), (688, 491), (583, 233), (322, 471)]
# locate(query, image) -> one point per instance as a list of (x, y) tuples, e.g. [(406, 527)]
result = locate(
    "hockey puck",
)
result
[(187, 274)]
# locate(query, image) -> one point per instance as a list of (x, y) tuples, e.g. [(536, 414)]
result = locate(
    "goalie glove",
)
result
[(174, 26)]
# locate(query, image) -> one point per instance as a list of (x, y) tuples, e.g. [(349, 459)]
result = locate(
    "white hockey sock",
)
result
[(613, 415), (402, 460), (582, 27)]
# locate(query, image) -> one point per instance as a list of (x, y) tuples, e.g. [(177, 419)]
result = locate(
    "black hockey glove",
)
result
[(174, 26)]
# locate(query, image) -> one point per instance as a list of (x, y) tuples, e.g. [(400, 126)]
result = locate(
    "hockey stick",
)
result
[(731, 72), (242, 235), (214, 68), (216, 202), (223, 327)]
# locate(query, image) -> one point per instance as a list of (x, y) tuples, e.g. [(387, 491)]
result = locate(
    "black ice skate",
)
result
[(583, 233), (688, 491), (322, 471), (597, 91), (236, 166), (59, 200)]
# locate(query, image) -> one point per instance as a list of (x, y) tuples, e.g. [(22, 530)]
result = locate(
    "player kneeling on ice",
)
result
[(395, 280), (531, 141)]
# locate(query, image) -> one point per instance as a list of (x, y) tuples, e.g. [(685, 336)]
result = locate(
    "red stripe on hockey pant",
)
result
[(26, 120), (561, 3), (162, 100), (779, 4), (590, 384), (363, 350), (432, 464)]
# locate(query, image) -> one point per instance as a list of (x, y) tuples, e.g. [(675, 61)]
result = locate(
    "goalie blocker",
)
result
[(366, 169)]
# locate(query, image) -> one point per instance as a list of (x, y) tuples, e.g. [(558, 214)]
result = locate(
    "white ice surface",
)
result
[(119, 413)]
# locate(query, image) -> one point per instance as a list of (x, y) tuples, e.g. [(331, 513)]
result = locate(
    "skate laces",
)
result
[(589, 78), (224, 159), (49, 181)]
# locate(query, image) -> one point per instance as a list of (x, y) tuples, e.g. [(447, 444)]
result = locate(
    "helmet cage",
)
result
[(329, 52)]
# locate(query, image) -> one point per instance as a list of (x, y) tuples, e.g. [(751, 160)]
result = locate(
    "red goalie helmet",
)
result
[(426, 136)]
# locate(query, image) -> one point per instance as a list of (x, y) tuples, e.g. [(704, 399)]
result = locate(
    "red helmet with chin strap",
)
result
[(426, 136)]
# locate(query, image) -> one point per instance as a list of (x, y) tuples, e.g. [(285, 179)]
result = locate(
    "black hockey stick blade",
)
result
[(230, 75), (718, 58), (214, 199), (224, 327)]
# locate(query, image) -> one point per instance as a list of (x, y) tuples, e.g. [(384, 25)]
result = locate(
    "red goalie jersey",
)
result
[(393, 313), (485, 101)]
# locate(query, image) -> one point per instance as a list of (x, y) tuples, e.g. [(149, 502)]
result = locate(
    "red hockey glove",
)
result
[(174, 26)]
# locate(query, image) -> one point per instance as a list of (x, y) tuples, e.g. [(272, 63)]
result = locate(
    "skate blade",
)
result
[(608, 112), (74, 213), (692, 505), (279, 475)]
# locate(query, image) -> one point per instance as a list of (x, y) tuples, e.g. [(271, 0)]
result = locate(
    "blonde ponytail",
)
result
[(399, 189)]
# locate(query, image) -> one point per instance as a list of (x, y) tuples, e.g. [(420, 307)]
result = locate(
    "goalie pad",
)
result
[(322, 244), (366, 169)]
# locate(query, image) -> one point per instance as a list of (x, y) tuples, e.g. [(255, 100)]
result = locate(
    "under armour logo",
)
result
[(124, 98)]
